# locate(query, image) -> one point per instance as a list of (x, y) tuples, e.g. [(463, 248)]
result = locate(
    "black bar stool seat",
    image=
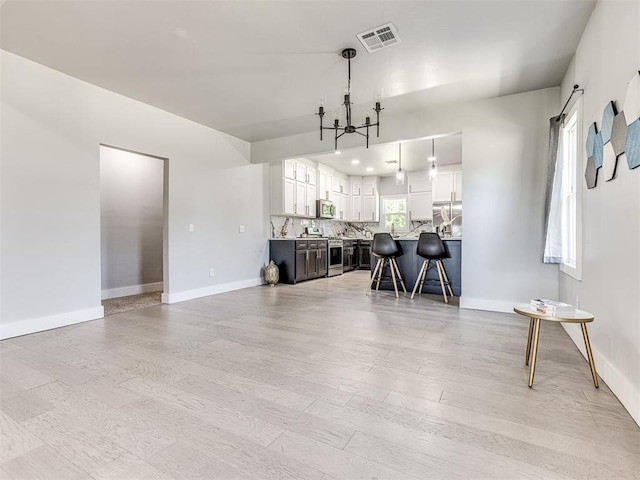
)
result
[(385, 248), (430, 247)]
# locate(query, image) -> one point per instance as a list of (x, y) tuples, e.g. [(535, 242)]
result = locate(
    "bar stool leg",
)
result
[(534, 355), (395, 265), (375, 271), (393, 276), (380, 270), (444, 292), (415, 287), (528, 354), (446, 279), (424, 276), (592, 364)]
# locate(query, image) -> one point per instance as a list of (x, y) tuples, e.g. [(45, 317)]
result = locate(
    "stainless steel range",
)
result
[(335, 257)]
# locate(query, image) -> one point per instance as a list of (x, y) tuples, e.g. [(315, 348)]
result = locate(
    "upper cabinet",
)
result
[(447, 186), (325, 182), (418, 182), (293, 188), (419, 197)]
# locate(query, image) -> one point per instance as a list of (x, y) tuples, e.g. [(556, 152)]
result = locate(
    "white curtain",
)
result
[(553, 202)]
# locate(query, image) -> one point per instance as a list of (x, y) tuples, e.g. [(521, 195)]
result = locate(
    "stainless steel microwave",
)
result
[(326, 209)]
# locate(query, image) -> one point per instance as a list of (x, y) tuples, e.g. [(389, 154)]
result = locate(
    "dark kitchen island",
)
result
[(410, 262)]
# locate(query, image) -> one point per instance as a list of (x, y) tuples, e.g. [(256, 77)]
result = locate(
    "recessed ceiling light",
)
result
[(355, 161), (369, 169), (337, 152)]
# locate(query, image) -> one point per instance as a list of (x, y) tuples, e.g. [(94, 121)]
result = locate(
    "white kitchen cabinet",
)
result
[(355, 212), (289, 197), (293, 189), (447, 186), (418, 181), (325, 183), (356, 186), (370, 185), (341, 202), (457, 185), (370, 208), (420, 206)]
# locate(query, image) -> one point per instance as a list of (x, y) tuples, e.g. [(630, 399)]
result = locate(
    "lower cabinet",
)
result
[(364, 254), (299, 260), (350, 255)]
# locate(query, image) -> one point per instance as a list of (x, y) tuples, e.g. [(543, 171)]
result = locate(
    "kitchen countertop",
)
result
[(358, 238)]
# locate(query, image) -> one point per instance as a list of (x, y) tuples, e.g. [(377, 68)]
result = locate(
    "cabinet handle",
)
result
[(409, 188), (307, 255), (358, 215)]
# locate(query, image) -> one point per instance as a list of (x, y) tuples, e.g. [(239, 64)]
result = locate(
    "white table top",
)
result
[(577, 316)]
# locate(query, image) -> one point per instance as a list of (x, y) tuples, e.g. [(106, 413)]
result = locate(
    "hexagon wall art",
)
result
[(607, 122), (631, 105), (598, 150), (609, 162), (591, 173), (591, 137), (632, 147), (619, 134)]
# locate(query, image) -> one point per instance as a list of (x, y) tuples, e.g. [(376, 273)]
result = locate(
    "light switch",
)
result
[(191, 227), (241, 228)]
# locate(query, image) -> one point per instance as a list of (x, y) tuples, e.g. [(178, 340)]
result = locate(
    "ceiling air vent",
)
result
[(379, 37), (390, 162)]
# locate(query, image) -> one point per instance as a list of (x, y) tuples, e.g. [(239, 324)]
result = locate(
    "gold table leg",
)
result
[(534, 355), (592, 364), (526, 358)]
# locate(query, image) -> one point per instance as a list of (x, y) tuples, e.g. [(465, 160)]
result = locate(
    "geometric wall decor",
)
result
[(619, 134), (632, 101), (632, 147), (598, 147), (609, 163), (591, 137), (607, 121), (591, 173)]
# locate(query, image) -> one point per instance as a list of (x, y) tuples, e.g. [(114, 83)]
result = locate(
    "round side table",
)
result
[(578, 316)]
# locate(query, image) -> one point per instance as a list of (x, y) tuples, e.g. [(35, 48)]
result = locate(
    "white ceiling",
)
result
[(415, 156), (255, 69)]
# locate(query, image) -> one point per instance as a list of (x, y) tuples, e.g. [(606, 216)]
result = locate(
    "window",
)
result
[(394, 212), (570, 204)]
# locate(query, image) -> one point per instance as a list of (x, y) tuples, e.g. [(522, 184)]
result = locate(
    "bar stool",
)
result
[(430, 247), (385, 247)]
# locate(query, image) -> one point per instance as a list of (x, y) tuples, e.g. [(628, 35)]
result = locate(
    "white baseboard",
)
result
[(622, 388), (131, 290), (505, 306), (212, 290), (33, 325)]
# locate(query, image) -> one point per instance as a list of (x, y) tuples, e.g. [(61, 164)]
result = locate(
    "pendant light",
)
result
[(400, 173), (433, 171)]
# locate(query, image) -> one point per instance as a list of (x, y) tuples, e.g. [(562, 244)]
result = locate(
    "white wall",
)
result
[(131, 222), (607, 57), (52, 127), (504, 151)]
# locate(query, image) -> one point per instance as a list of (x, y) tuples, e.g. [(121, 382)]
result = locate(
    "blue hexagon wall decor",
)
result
[(632, 147), (598, 150), (591, 137)]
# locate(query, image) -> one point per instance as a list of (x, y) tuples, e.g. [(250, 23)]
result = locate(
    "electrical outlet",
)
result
[(191, 227), (212, 272), (241, 228)]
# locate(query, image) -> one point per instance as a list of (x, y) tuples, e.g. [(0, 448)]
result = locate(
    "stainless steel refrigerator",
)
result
[(448, 216)]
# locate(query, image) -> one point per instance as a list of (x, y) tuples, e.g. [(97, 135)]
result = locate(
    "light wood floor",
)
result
[(312, 381)]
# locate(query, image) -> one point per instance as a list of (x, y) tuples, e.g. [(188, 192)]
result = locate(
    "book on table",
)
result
[(546, 306)]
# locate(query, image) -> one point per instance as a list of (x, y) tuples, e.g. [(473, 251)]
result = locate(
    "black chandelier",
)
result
[(349, 53)]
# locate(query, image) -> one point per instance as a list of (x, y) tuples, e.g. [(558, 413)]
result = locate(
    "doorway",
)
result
[(132, 229)]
